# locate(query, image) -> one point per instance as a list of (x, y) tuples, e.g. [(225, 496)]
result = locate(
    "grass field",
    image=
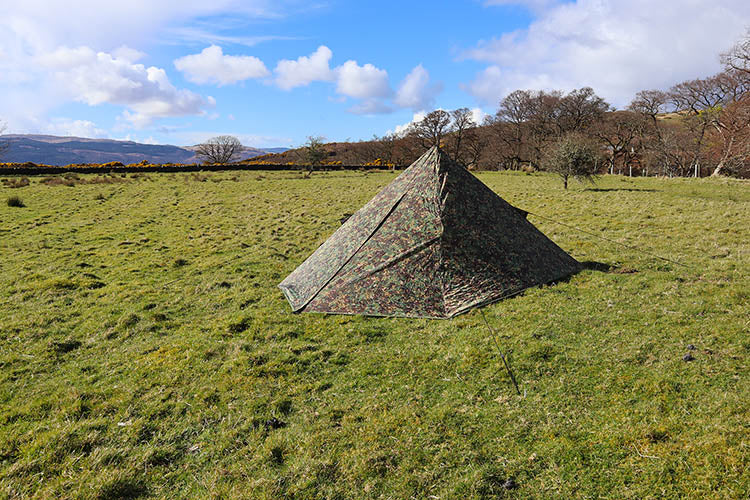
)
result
[(145, 350)]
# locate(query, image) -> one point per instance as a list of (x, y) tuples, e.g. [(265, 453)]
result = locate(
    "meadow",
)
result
[(146, 352)]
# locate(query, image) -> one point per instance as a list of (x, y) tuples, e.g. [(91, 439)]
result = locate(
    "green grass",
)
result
[(145, 350)]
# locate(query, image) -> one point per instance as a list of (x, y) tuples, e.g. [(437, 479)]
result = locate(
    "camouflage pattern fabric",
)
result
[(434, 243)]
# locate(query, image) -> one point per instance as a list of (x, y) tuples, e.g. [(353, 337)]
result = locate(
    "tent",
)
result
[(433, 243)]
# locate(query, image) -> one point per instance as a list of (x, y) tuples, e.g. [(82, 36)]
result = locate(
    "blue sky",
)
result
[(272, 73)]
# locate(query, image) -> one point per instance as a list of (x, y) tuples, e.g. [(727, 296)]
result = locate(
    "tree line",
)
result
[(695, 128)]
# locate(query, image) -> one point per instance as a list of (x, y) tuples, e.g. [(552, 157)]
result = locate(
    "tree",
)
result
[(738, 57), (730, 141), (527, 121), (573, 155), (619, 132), (219, 150), (579, 110), (649, 103), (461, 127), (432, 128), (476, 142), (314, 152)]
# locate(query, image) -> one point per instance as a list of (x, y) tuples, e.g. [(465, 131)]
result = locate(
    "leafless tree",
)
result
[(461, 126), (738, 57), (620, 132), (649, 103), (731, 125), (220, 150), (432, 128), (527, 121), (579, 110), (475, 142), (708, 105)]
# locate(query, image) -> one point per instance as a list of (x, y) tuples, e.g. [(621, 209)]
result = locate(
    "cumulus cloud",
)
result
[(415, 91), (304, 70), (367, 83), (98, 77), (128, 54), (211, 65), (618, 47), (362, 82), (35, 28)]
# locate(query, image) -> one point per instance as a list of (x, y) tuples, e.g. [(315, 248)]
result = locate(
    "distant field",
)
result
[(145, 350)]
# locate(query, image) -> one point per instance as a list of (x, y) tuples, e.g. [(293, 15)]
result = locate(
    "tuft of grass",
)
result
[(15, 183), (15, 201)]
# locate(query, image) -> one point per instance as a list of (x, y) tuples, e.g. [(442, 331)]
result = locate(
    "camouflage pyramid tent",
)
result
[(434, 243)]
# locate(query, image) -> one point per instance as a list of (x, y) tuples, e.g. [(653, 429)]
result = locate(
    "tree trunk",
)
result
[(717, 170), (565, 182)]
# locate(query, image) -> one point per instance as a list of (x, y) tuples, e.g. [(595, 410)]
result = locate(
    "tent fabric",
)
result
[(433, 243)]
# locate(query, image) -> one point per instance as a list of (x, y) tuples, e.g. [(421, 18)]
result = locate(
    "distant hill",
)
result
[(54, 150)]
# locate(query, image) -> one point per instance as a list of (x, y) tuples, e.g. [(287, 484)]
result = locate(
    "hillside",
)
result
[(54, 150)]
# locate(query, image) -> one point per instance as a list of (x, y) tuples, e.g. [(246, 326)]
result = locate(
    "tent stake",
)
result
[(502, 356)]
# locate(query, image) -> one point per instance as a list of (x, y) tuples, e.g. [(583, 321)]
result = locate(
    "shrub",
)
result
[(15, 201), (572, 156)]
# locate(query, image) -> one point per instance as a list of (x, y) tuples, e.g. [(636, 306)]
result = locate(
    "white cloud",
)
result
[(98, 78), (306, 69), (48, 23), (477, 115), (74, 128), (35, 28), (400, 129), (618, 47), (362, 82), (128, 54), (367, 83), (415, 91), (212, 66)]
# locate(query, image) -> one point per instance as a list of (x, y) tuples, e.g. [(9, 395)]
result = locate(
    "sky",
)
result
[(273, 72)]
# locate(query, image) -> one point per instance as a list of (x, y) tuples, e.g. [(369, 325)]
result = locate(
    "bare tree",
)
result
[(220, 150), (432, 128), (738, 57), (649, 103), (707, 107), (619, 132), (314, 152), (579, 110), (573, 155), (510, 127), (732, 130), (476, 142), (527, 121), (461, 126)]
